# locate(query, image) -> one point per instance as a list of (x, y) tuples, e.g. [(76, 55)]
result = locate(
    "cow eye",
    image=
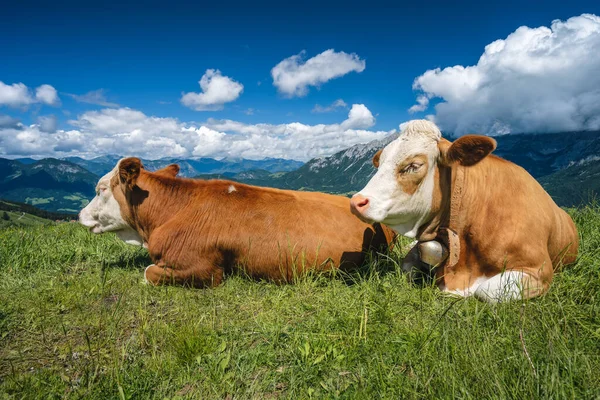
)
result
[(412, 167)]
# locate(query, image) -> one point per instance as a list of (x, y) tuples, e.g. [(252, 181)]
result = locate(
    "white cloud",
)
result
[(14, 95), (19, 95), (293, 75), (422, 104), (359, 117), (216, 91), (47, 123), (130, 132), (6, 121), (335, 106), (97, 97), (536, 80), (47, 94)]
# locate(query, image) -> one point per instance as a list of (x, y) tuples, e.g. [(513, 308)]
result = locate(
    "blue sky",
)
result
[(145, 57)]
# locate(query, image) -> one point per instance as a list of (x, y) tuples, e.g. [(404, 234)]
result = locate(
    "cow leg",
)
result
[(195, 277), (509, 285)]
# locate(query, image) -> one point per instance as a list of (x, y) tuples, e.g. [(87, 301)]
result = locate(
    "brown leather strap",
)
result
[(457, 195), (449, 234)]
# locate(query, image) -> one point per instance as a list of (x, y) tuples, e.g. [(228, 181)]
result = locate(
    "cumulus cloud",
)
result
[(14, 95), (216, 91), (97, 97), (19, 95), (47, 123), (335, 106), (130, 132), (422, 104), (293, 75), (47, 94), (6, 121), (541, 79)]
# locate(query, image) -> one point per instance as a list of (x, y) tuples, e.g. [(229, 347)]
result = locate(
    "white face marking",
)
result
[(388, 202), (103, 213), (231, 189)]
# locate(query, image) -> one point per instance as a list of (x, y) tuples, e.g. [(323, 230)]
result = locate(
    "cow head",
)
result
[(401, 194), (108, 209)]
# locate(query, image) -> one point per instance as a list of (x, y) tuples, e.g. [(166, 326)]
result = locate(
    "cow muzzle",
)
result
[(359, 205), (86, 220)]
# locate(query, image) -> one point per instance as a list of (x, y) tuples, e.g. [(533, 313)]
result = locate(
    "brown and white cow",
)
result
[(196, 231), (504, 234)]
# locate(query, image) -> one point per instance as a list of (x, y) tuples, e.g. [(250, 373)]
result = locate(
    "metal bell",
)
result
[(432, 252)]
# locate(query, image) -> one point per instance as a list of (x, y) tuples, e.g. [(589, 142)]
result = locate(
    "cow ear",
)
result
[(129, 171), (170, 170), (467, 150), (376, 158)]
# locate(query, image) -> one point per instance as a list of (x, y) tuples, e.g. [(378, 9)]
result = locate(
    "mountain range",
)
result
[(50, 184), (190, 167), (566, 164)]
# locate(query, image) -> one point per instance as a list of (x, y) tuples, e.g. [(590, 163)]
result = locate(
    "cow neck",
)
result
[(445, 224), (155, 208)]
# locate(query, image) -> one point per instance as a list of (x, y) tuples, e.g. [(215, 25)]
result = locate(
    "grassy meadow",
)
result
[(76, 322)]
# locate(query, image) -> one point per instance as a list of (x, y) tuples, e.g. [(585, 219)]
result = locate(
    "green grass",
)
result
[(34, 201), (74, 197), (21, 219), (76, 322)]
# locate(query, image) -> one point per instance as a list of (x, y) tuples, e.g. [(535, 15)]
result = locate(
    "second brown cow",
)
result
[(197, 231)]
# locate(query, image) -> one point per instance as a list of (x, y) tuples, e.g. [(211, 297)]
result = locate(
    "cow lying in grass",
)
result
[(196, 231), (502, 234)]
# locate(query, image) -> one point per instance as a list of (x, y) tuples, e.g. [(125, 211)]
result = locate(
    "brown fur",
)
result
[(197, 231), (410, 181), (507, 220)]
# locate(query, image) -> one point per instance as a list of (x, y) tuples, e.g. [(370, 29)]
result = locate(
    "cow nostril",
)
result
[(359, 203)]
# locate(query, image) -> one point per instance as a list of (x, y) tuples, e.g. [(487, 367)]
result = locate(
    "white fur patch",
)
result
[(130, 236), (499, 288), (231, 189), (146, 282), (469, 291), (502, 287)]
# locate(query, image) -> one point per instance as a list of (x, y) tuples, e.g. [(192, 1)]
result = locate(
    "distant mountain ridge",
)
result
[(542, 155), (50, 184), (190, 167), (577, 184)]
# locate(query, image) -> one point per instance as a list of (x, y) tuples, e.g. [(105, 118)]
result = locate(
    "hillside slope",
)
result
[(49, 184), (576, 185)]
